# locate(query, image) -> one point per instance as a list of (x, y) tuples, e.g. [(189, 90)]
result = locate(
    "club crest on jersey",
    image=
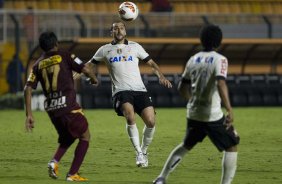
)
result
[(119, 51), (120, 59)]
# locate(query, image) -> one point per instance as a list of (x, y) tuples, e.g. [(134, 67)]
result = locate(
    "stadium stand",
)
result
[(180, 6), (252, 30)]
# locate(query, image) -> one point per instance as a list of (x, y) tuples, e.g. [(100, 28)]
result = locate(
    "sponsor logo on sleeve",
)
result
[(78, 61), (31, 77), (223, 66)]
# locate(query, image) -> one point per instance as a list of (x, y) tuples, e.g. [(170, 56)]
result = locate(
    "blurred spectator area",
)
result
[(181, 6), (237, 18), (246, 56), (252, 30)]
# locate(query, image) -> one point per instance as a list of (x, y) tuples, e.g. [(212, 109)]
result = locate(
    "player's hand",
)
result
[(229, 119), (93, 81), (76, 76), (163, 81), (29, 123)]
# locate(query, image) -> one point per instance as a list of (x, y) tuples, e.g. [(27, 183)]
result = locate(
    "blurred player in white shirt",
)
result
[(128, 90), (203, 85)]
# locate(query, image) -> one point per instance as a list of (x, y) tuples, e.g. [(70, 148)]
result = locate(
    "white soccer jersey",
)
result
[(203, 69), (122, 61)]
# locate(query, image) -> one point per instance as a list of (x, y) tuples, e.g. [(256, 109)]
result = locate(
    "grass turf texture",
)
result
[(111, 160)]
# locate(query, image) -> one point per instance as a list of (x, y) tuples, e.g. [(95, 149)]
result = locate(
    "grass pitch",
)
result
[(111, 159)]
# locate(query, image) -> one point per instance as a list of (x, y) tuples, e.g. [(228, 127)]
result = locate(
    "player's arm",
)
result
[(78, 75), (29, 122), (163, 81), (184, 88), (88, 71), (221, 74), (223, 92)]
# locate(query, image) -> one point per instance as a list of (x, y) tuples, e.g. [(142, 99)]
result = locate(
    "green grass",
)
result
[(111, 159)]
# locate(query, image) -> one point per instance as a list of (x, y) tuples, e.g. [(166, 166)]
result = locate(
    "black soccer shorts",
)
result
[(139, 99), (221, 137)]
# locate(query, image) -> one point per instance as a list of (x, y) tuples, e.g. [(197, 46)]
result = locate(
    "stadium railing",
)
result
[(70, 24)]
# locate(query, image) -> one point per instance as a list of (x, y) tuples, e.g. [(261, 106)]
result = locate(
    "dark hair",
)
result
[(47, 41), (211, 37), (112, 27)]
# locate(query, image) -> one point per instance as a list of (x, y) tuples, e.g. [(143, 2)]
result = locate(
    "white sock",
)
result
[(133, 134), (229, 165), (148, 134), (173, 160)]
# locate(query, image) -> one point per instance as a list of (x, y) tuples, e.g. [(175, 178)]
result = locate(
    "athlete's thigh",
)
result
[(195, 132), (61, 127), (222, 137), (77, 124), (142, 100), (127, 109), (121, 98)]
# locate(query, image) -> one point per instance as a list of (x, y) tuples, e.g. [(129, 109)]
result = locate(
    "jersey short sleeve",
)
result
[(32, 79), (76, 64), (98, 56), (141, 54), (221, 67), (185, 74)]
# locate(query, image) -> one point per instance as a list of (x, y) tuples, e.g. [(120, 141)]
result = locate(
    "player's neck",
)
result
[(119, 41), (55, 49)]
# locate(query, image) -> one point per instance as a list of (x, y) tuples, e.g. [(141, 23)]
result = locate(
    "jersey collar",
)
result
[(125, 42)]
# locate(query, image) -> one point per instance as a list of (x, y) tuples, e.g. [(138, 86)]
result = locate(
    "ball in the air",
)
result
[(128, 11)]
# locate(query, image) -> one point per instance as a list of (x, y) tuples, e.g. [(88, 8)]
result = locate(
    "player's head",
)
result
[(118, 31), (48, 41), (211, 37)]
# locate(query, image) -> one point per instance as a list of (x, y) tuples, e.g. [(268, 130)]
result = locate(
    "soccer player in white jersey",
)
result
[(203, 85), (129, 93)]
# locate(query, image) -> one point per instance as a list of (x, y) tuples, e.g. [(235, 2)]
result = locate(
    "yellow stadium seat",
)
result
[(224, 7), (9, 5), (190, 7), (255, 7), (266, 8), (277, 8), (101, 7), (90, 6), (19, 5), (144, 7), (180, 7), (56, 5), (43, 5), (202, 7), (234, 7), (112, 7), (32, 4), (212, 7), (77, 5), (246, 7)]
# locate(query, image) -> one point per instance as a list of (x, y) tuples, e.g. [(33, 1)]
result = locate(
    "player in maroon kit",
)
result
[(53, 70)]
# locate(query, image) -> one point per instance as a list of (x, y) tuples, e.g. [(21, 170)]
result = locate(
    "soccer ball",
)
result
[(128, 11)]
